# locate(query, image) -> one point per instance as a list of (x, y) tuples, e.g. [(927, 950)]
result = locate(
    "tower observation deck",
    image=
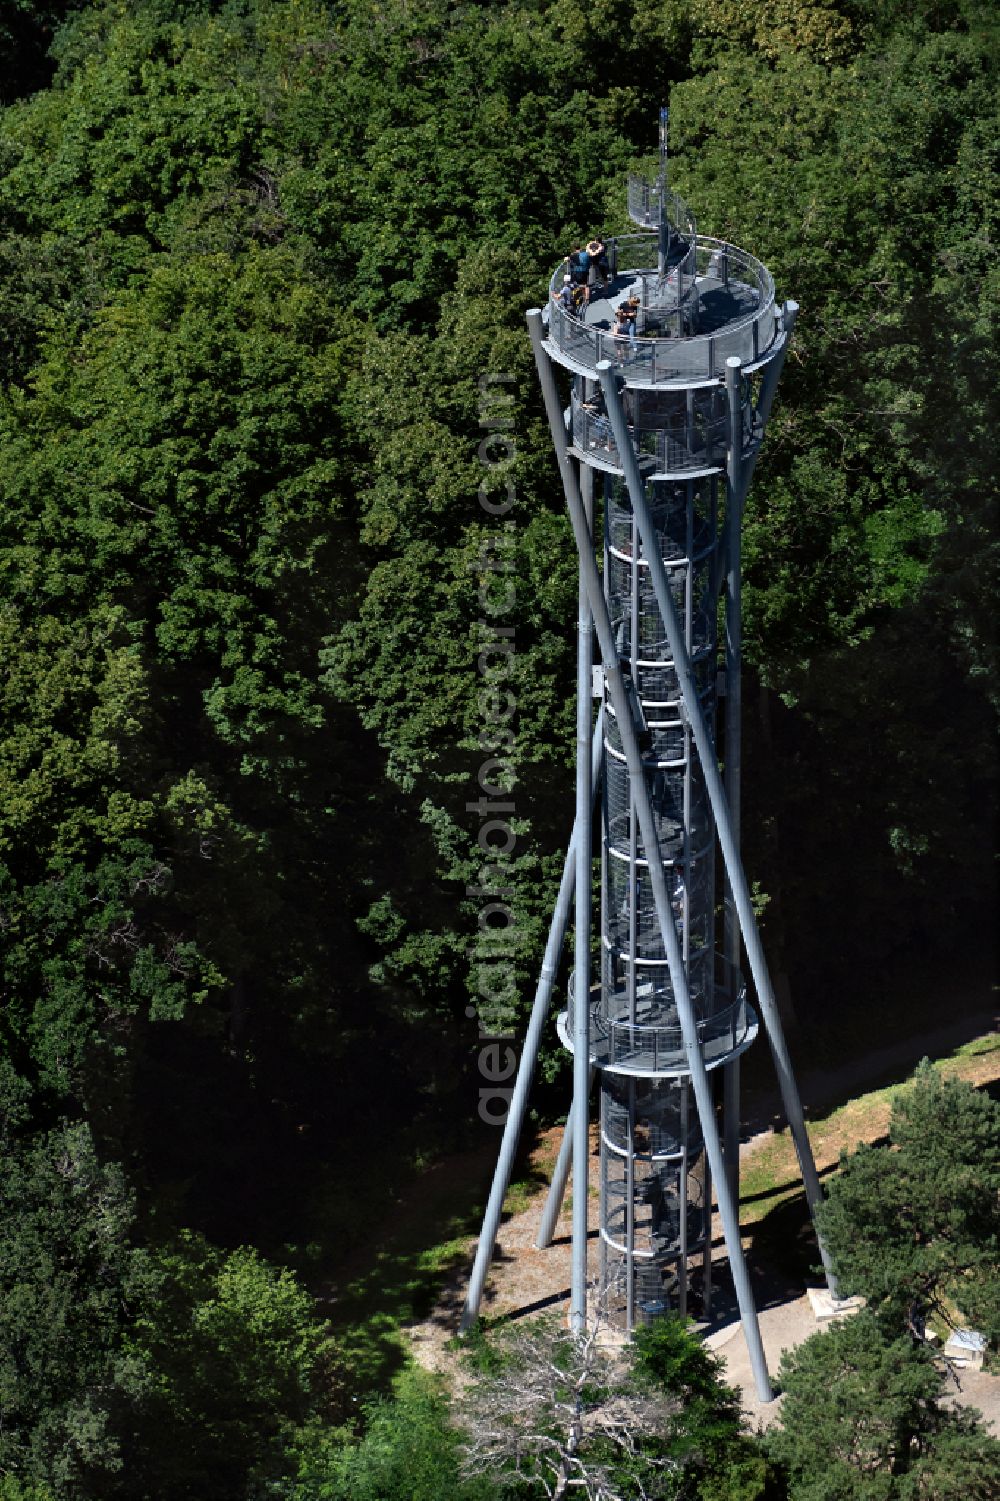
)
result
[(712, 302), (670, 350)]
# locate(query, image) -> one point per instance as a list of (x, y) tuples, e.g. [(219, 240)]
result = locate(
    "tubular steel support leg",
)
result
[(560, 1178), (735, 493), (526, 1067), (720, 811), (790, 312), (682, 1260), (706, 1263), (580, 1019), (769, 386), (647, 825), (731, 1125), (560, 1174), (557, 1188), (739, 477)]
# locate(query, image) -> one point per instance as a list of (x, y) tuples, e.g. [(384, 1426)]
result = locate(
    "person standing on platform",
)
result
[(578, 263), (599, 273)]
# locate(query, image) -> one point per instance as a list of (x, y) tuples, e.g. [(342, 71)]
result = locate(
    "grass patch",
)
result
[(525, 1189), (979, 1047)]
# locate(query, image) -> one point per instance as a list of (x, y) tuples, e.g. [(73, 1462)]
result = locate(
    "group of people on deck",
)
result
[(589, 267), (585, 269)]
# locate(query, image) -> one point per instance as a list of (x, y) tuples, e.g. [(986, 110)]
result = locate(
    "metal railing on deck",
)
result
[(741, 288), (687, 442), (644, 206), (653, 1047)]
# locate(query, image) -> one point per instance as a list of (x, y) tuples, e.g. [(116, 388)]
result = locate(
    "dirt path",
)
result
[(524, 1280)]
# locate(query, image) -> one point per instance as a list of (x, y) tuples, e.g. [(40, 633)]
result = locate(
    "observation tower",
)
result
[(656, 421)]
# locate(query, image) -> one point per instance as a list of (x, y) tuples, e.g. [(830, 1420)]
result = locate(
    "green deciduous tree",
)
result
[(69, 1280), (236, 1357), (721, 1461), (130, 1372), (409, 1452)]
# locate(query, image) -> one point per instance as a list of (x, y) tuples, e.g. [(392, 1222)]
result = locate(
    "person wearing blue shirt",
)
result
[(578, 263)]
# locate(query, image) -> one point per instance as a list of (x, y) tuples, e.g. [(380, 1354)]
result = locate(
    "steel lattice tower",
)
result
[(662, 426)]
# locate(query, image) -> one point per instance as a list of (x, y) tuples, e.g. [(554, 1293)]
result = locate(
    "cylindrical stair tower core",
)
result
[(695, 303)]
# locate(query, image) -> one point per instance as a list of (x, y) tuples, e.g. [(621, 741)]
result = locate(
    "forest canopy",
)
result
[(256, 261)]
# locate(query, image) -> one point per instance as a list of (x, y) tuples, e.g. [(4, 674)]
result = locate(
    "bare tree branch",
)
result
[(565, 1415)]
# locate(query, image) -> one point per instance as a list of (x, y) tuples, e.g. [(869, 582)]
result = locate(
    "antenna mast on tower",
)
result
[(664, 225)]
